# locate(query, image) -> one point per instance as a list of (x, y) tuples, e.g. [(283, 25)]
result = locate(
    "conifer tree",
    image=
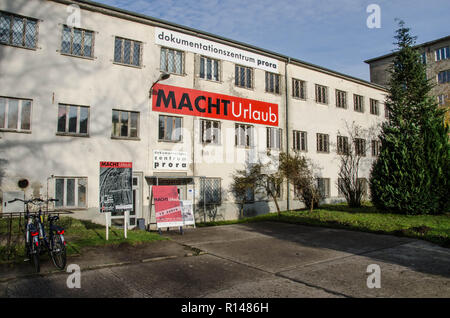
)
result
[(411, 174)]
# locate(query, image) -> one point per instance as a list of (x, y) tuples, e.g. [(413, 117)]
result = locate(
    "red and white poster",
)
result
[(185, 101), (167, 206)]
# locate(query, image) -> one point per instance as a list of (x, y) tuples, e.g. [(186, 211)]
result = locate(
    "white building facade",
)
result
[(78, 86)]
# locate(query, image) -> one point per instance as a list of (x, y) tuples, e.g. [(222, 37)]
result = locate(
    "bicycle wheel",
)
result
[(58, 252), (34, 256)]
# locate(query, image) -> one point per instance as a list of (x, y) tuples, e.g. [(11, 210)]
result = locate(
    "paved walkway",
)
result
[(250, 260)]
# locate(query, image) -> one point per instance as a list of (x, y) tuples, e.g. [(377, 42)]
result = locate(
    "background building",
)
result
[(72, 96), (435, 55)]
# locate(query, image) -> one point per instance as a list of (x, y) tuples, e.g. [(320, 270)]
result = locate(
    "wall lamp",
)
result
[(162, 77)]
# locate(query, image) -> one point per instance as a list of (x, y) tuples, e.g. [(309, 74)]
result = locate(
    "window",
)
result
[(342, 145), (298, 89), (444, 77), (362, 184), (323, 184), (341, 187), (386, 111), (341, 99), (18, 31), (443, 53), (360, 147), (321, 94), (127, 52), (210, 190), (274, 188), (376, 147), (323, 143), (169, 128), (374, 110), (77, 42), (73, 120), (243, 76), (209, 69), (125, 124), (209, 132), (272, 83), (249, 195), (300, 141), (274, 138), (172, 61), (71, 192), (358, 102), (442, 99), (423, 58), (244, 135), (15, 114)]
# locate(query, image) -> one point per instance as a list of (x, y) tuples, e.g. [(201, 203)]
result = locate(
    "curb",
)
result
[(100, 266)]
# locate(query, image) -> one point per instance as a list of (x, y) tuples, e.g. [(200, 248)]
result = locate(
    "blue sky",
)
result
[(332, 34)]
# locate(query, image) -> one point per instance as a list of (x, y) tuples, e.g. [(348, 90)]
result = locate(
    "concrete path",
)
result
[(252, 260)]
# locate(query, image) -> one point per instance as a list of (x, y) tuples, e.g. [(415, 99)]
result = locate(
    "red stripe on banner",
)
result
[(185, 101), (111, 164)]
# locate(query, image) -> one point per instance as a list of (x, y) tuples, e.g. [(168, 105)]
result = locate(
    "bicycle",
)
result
[(55, 243), (32, 247)]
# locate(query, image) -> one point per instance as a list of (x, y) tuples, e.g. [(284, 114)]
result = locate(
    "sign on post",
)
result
[(116, 191), (167, 206)]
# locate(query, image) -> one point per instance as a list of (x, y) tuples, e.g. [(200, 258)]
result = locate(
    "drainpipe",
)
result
[(287, 120)]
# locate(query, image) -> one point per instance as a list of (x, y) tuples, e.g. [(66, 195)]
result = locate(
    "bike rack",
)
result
[(12, 215)]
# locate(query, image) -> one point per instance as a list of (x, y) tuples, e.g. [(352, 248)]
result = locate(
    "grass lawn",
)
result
[(78, 234), (433, 228)]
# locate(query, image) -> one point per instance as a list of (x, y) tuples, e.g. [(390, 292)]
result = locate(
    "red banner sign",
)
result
[(184, 101)]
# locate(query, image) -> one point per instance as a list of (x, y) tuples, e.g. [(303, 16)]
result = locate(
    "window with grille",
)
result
[(341, 187), (77, 42), (341, 99), (243, 76), (209, 68), (244, 135), (323, 185), (321, 94), (423, 58), (211, 190), (362, 184), (442, 99), (272, 83), (125, 124), (360, 147), (15, 114), (71, 192), (300, 140), (376, 147), (73, 120), (442, 53), (274, 137), (386, 111), (172, 61), (342, 145), (169, 128), (298, 88), (358, 102), (18, 31), (374, 110), (323, 144), (444, 77), (127, 51), (209, 132)]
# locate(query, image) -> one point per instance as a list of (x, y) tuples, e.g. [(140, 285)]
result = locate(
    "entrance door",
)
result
[(137, 200), (181, 192)]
